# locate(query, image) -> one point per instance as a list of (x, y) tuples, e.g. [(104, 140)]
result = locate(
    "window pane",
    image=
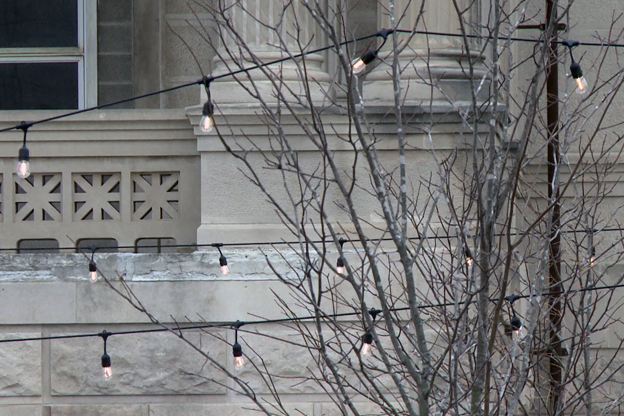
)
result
[(155, 245), (103, 245), (38, 86), (47, 245), (38, 23)]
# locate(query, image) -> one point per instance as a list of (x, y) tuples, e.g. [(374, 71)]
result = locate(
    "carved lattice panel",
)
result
[(96, 196), (155, 196), (38, 198)]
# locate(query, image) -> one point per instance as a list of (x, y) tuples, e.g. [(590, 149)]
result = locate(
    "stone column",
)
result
[(268, 30), (432, 67)]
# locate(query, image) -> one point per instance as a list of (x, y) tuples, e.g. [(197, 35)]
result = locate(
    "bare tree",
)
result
[(434, 200)]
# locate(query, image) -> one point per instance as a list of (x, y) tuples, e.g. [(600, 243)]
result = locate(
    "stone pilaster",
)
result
[(264, 31), (433, 68)]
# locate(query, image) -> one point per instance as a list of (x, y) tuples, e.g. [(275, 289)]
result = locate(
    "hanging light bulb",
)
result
[(359, 65), (106, 360), (516, 324), (23, 163), (469, 259), (340, 266), (575, 68), (224, 265), (367, 341), (367, 338), (106, 366), (222, 260), (23, 159), (92, 271), (206, 124), (577, 75), (592, 256), (237, 349)]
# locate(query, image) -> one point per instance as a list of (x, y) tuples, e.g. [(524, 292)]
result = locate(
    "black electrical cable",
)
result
[(180, 328), (204, 79), (281, 243)]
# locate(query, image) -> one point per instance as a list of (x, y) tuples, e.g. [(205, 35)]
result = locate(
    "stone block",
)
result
[(242, 409), (108, 93), (115, 39), (145, 364), (212, 300), (37, 303), (20, 367), (115, 68), (21, 410), (101, 410), (114, 11)]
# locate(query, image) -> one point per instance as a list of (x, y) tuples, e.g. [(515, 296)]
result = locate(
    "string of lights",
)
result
[(382, 33), (206, 125), (280, 242), (239, 323)]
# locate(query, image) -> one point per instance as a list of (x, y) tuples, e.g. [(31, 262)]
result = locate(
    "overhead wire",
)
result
[(230, 324)]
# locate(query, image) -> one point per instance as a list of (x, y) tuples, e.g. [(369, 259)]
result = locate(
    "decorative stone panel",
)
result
[(155, 196), (96, 196), (38, 197)]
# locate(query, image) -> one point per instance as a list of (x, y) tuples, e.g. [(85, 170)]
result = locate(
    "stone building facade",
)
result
[(144, 185)]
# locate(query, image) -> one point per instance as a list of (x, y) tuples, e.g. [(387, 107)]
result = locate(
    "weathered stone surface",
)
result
[(143, 364), (34, 303), (241, 409), (214, 300), (21, 410), (101, 410), (291, 366), (20, 366)]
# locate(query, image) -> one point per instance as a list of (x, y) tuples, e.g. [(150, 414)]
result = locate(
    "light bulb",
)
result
[(469, 259), (23, 164), (224, 265), (23, 169), (106, 366), (340, 267), (581, 85), (516, 324), (206, 124), (592, 256), (239, 362), (359, 65), (577, 74), (367, 340), (237, 352), (92, 272)]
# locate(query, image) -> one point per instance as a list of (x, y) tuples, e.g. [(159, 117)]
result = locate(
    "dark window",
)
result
[(43, 85), (38, 23), (155, 245), (44, 245), (103, 245)]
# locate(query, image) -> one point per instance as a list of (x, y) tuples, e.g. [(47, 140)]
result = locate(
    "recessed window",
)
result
[(42, 245), (155, 245), (47, 54), (103, 245)]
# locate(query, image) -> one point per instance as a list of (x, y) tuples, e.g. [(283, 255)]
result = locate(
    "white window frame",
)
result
[(85, 54)]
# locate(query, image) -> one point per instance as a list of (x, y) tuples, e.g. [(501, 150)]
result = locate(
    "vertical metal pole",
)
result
[(552, 114)]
